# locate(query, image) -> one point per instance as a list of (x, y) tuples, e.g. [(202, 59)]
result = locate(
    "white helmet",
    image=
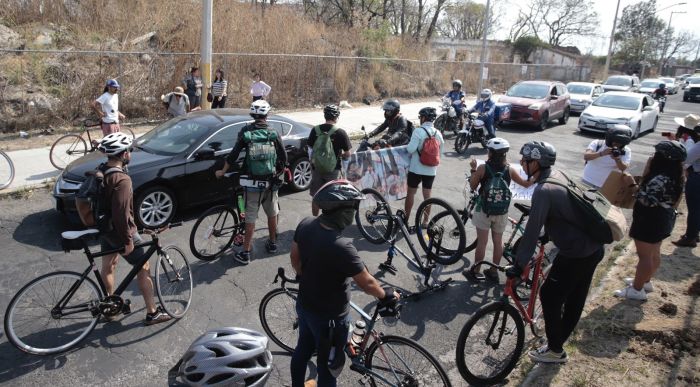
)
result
[(227, 357), (498, 145), (485, 94), (259, 108), (115, 143)]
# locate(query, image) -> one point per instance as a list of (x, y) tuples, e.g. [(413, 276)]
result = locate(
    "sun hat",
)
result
[(689, 122)]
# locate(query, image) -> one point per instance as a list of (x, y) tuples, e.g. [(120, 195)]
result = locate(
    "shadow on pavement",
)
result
[(34, 228)]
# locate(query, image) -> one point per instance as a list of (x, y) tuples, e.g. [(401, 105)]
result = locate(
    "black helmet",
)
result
[(672, 150), (331, 112), (429, 113), (392, 105), (662, 85), (543, 152), (337, 194), (621, 134), (457, 83)]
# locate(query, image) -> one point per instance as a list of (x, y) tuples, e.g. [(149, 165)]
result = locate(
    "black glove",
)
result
[(388, 306), (513, 271)]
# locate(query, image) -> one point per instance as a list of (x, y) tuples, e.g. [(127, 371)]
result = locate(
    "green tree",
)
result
[(639, 33), (465, 20), (526, 45)]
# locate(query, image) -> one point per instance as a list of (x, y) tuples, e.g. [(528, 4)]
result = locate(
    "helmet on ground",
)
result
[(620, 134), (497, 145), (392, 105), (485, 94), (543, 152), (672, 150), (331, 112), (113, 83), (115, 143), (457, 83), (338, 194), (429, 113), (227, 357), (259, 108)]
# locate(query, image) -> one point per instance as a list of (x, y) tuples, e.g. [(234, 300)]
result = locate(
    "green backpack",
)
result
[(261, 157), (324, 157), (496, 195)]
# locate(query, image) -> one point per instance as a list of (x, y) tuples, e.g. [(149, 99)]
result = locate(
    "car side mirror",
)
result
[(648, 108), (204, 154)]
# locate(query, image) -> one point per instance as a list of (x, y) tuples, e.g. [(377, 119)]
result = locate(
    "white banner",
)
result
[(385, 170)]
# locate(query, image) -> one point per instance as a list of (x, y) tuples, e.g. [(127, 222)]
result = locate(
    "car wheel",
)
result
[(301, 174), (656, 122), (155, 207), (637, 130), (564, 118), (544, 122)]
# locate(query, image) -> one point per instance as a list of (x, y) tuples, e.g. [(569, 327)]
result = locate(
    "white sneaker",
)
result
[(545, 355), (631, 293), (648, 287)]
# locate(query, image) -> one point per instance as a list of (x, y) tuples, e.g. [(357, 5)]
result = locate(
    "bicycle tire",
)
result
[(69, 336), (72, 145), (427, 372), (375, 211), (173, 281), (477, 370), (464, 215), (6, 164), (462, 142), (449, 253), (129, 132), (218, 236), (280, 319)]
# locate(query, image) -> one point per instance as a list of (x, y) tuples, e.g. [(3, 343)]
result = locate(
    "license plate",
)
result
[(601, 125)]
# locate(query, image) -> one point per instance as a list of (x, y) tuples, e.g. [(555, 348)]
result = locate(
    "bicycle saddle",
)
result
[(78, 234), (524, 208)]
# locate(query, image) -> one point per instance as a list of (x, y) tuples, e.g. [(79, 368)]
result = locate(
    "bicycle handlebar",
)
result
[(283, 277)]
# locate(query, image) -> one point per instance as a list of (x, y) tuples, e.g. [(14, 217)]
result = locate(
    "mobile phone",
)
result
[(666, 134)]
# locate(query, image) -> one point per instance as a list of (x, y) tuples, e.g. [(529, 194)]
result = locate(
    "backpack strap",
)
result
[(426, 132), (112, 170)]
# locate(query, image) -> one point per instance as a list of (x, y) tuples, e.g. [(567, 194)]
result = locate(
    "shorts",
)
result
[(496, 223), (112, 127), (254, 199), (107, 243), (652, 224), (415, 179), (318, 180)]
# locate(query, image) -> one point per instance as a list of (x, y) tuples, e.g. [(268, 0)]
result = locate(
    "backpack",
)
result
[(89, 200), (323, 156), (496, 195), (261, 156), (430, 152), (603, 222)]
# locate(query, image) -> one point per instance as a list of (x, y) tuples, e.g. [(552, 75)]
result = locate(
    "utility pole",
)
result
[(205, 50), (610, 46), (483, 48)]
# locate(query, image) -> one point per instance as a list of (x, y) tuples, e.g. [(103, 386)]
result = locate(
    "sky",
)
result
[(606, 13)]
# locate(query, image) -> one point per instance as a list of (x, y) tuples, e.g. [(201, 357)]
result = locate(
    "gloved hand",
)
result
[(513, 271), (388, 306)]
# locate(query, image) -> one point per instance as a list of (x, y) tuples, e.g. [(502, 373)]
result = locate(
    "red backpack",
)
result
[(430, 154)]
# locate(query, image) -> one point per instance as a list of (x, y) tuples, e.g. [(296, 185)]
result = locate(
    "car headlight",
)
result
[(535, 106)]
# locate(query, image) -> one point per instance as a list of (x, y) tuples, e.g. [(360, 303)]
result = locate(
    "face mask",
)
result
[(338, 219)]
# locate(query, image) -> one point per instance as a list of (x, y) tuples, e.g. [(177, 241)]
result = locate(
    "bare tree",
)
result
[(466, 20), (680, 44), (556, 21)]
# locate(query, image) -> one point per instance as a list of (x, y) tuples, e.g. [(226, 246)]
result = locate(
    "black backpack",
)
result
[(89, 200)]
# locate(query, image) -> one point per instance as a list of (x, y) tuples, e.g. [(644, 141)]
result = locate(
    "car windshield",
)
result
[(617, 102), (653, 84), (618, 81), (693, 81), (668, 81), (579, 89), (528, 90), (172, 137)]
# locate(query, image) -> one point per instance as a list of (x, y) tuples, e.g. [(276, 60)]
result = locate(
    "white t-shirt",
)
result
[(110, 106), (596, 171)]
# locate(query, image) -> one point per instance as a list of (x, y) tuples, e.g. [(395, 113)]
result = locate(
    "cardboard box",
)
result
[(620, 189)]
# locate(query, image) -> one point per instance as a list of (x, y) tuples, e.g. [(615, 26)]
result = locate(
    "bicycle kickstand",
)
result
[(387, 265)]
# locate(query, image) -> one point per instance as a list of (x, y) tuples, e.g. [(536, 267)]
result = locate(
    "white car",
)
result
[(671, 85), (649, 85), (638, 111), (583, 94)]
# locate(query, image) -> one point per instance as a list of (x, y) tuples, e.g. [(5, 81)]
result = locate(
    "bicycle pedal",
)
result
[(126, 308), (388, 267)]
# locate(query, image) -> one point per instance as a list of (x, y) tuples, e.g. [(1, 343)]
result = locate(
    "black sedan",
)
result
[(172, 166)]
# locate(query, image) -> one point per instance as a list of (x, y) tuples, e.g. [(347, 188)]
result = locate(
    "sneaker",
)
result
[(631, 293), (271, 246), (242, 257), (472, 275), (544, 355), (491, 274), (157, 317), (648, 287), (685, 242)]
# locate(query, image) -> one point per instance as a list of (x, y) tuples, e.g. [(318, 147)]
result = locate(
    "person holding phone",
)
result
[(688, 134)]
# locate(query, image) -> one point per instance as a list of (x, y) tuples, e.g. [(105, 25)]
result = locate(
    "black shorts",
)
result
[(415, 179), (107, 243)]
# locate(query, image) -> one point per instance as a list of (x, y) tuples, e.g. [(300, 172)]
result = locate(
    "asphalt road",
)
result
[(124, 352)]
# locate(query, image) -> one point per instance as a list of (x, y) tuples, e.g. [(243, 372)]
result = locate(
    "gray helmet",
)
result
[(337, 194), (543, 152), (331, 112), (392, 105), (485, 94), (672, 150), (621, 134), (429, 113), (226, 357), (457, 83)]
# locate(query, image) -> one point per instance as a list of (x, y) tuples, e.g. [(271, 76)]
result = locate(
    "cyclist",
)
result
[(399, 132), (658, 93), (496, 222), (486, 108), (456, 95), (255, 197), (325, 262), (107, 107), (119, 197), (563, 294)]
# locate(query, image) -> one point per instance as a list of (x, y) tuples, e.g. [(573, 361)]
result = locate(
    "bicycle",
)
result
[(7, 170), (65, 306), (380, 359), (73, 146)]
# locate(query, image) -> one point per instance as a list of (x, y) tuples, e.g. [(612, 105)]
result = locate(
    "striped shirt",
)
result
[(218, 88)]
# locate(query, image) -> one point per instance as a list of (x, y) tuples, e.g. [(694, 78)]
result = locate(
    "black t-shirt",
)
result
[(328, 261), (339, 139)]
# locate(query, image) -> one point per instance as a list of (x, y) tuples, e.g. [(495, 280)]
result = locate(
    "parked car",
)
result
[(691, 92), (621, 83), (649, 85), (172, 166), (582, 94), (639, 111), (671, 85), (537, 102)]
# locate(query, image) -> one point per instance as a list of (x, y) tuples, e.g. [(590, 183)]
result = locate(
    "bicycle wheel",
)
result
[(278, 316), (469, 231), (7, 170), (173, 281), (404, 362), (490, 343), (34, 323), (67, 149), (374, 217), (213, 232), (129, 132), (445, 226)]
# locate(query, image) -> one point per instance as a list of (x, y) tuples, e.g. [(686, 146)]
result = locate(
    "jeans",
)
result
[(488, 121), (692, 200), (218, 102), (312, 328), (563, 296)]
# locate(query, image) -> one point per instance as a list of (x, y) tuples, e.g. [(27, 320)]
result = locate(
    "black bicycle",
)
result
[(56, 311)]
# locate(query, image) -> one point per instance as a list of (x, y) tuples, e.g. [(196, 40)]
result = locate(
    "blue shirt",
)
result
[(419, 135), (487, 108)]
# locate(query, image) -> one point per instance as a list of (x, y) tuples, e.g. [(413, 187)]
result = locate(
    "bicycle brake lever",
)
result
[(276, 279)]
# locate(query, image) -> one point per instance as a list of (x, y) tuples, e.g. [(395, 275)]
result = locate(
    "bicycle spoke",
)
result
[(399, 361), (174, 281)]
